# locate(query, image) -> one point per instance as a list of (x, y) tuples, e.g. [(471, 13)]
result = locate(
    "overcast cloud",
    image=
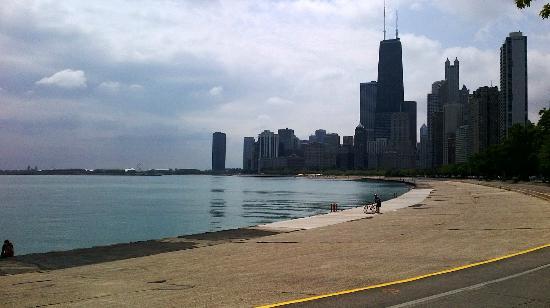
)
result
[(117, 83)]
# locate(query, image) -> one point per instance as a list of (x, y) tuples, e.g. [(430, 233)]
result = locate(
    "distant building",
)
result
[(367, 102), (250, 162), (313, 155), (462, 144), (438, 138), (452, 119), (345, 158), (268, 149), (376, 150), (287, 142), (484, 112), (360, 148), (347, 140), (400, 142), (218, 152), (452, 74), (318, 157), (423, 148), (435, 125), (332, 140), (513, 82), (319, 136), (409, 107)]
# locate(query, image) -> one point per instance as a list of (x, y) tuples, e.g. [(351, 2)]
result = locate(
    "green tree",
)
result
[(544, 135), (544, 13), (521, 148)]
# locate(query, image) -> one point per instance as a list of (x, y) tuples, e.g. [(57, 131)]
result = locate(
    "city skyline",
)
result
[(120, 102)]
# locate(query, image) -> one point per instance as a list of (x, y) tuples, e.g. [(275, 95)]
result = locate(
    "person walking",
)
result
[(378, 203)]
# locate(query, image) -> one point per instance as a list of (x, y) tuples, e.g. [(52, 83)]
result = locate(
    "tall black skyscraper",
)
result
[(390, 76), (513, 82), (389, 86), (218, 152)]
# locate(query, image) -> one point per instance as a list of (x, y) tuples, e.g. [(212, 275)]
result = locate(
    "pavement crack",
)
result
[(28, 282), (277, 242)]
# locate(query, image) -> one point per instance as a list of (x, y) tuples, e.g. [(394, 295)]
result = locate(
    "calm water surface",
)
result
[(46, 213)]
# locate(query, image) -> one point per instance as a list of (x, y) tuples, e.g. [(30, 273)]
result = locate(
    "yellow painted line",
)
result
[(455, 269)]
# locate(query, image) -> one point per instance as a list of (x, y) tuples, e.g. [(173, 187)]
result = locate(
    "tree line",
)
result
[(523, 154)]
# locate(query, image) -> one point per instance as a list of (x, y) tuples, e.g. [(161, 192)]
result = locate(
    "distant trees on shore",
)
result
[(525, 153)]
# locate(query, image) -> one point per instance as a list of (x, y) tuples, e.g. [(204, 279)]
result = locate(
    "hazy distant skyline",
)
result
[(116, 83)]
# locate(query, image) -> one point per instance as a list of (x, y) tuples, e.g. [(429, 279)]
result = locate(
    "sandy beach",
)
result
[(457, 224)]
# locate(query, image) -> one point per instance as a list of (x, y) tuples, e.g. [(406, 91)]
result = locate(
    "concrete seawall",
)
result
[(409, 198)]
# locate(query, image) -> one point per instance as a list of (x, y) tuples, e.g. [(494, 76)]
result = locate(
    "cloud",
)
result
[(136, 87), (65, 79), (109, 86), (216, 91), (277, 101)]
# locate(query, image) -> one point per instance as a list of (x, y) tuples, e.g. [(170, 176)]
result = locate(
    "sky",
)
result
[(114, 84)]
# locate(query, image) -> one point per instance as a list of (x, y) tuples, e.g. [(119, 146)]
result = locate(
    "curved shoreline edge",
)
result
[(54, 260), (410, 198)]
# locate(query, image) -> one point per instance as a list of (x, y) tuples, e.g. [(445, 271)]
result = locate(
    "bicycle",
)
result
[(369, 208)]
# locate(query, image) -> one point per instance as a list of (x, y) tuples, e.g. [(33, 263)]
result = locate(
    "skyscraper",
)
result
[(268, 144), (347, 140), (462, 144), (513, 82), (367, 101), (360, 147), (218, 152), (409, 107), (484, 110), (435, 125), (452, 120), (400, 142), (390, 76), (389, 91), (345, 158), (423, 148), (286, 141), (249, 157), (268, 149), (452, 74)]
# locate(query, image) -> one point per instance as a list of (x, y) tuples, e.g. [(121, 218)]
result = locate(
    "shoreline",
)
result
[(60, 259)]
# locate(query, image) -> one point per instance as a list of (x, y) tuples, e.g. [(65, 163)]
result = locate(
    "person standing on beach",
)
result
[(378, 203), (7, 249)]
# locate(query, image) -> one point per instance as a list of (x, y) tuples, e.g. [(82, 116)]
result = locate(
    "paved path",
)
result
[(522, 280), (410, 198), (458, 223)]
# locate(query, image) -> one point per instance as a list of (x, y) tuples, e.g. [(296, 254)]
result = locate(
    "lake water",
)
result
[(46, 213)]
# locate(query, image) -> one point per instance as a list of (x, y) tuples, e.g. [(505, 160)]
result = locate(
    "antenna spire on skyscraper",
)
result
[(384, 20), (396, 26)]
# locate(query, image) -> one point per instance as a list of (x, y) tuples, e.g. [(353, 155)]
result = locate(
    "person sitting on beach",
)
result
[(7, 249), (378, 203)]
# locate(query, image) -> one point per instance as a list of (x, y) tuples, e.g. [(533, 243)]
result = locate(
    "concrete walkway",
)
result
[(410, 198)]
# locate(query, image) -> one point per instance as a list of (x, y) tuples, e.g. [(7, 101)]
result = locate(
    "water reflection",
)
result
[(218, 204), (262, 209), (217, 208)]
